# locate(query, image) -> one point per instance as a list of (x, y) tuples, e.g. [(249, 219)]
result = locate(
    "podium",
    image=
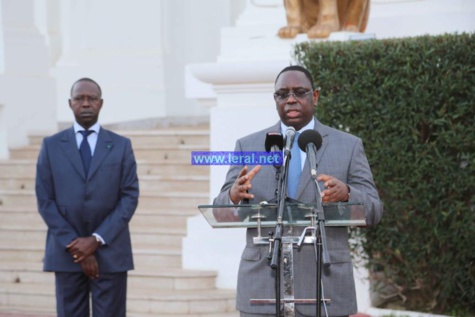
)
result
[(296, 214)]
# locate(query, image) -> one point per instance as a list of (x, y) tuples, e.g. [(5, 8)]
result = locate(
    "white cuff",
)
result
[(99, 238)]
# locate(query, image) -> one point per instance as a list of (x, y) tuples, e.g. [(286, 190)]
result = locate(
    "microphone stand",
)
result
[(321, 244), (281, 198)]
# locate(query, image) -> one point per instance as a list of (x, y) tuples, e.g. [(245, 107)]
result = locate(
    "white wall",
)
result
[(402, 18), (136, 50)]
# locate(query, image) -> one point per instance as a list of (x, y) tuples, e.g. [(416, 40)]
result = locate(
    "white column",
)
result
[(3, 135), (117, 43), (27, 90), (53, 29), (238, 88), (244, 104)]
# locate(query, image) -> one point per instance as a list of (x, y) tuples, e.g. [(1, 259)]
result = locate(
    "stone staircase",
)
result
[(171, 189)]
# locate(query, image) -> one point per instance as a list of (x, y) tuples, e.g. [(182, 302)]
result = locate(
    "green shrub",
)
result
[(412, 101)]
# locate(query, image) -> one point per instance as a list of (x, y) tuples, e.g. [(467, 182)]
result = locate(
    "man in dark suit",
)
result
[(346, 176), (87, 192)]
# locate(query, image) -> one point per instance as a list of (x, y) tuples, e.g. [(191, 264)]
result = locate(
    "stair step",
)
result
[(147, 199), (150, 236), (186, 184), (28, 297), (21, 219), (149, 227), (160, 154), (13, 254), (182, 302), (17, 183), (22, 237), (27, 169), (147, 182), (134, 314), (167, 154), (32, 209), (21, 312), (153, 221), (24, 273), (171, 279), (170, 169), (163, 218), (17, 198), (148, 277), (176, 200), (169, 137), (154, 240), (163, 257), (175, 206), (17, 168), (171, 188), (140, 300), (151, 137)]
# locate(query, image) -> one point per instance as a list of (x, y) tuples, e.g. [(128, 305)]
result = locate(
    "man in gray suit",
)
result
[(87, 192), (346, 176)]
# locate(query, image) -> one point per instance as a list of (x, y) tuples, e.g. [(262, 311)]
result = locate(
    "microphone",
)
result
[(274, 142), (310, 141), (289, 139)]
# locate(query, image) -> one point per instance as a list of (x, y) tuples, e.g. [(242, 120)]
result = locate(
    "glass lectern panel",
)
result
[(295, 214)]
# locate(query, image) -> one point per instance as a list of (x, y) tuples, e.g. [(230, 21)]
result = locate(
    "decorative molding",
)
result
[(238, 72)]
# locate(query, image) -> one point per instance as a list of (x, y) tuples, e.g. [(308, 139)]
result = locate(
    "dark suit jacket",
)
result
[(75, 206), (342, 156)]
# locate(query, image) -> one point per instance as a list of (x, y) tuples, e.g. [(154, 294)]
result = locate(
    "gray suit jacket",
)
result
[(342, 156), (73, 205)]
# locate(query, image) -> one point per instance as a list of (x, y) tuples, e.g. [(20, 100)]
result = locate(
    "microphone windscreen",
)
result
[(310, 136), (274, 138)]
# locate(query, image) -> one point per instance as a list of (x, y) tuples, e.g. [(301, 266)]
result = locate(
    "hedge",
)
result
[(412, 101)]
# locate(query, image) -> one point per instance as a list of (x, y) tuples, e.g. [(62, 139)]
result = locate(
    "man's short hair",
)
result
[(88, 80), (299, 69)]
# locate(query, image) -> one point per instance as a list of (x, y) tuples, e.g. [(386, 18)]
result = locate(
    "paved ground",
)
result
[(36, 315), (23, 315)]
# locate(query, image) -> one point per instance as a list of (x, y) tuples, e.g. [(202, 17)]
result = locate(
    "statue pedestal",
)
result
[(403, 18)]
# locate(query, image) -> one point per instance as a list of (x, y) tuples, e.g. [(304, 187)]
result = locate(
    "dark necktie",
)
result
[(295, 169), (85, 150)]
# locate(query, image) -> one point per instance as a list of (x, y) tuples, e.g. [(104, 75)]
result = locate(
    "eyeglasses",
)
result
[(284, 95), (83, 98)]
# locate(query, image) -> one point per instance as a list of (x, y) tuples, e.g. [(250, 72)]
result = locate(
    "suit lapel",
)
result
[(324, 132), (69, 145), (268, 172), (104, 146), (306, 178)]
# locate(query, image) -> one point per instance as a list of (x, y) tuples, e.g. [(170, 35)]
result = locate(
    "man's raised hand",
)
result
[(242, 184)]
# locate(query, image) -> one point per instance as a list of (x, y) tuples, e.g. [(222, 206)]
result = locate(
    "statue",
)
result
[(319, 18)]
